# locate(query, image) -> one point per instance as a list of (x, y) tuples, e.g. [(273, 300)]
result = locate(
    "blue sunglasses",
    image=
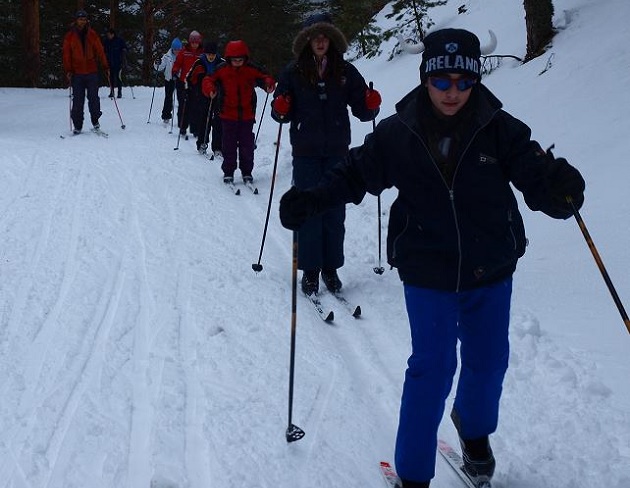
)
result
[(444, 84)]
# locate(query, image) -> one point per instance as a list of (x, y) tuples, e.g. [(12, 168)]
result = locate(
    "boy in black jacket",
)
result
[(455, 235)]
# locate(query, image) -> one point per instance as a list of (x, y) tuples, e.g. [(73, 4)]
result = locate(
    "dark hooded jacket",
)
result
[(320, 125), (452, 233)]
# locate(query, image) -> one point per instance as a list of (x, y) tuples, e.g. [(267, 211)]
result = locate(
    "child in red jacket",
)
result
[(186, 99), (235, 81)]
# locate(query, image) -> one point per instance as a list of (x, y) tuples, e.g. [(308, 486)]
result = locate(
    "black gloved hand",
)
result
[(564, 181), (297, 206)]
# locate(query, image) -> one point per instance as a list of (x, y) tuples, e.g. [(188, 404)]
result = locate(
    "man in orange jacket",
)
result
[(82, 51)]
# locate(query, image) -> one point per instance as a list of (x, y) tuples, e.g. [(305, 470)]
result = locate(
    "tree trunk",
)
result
[(538, 15), (30, 39), (113, 9), (148, 39)]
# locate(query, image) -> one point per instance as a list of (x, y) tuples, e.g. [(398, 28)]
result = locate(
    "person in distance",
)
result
[(82, 53)]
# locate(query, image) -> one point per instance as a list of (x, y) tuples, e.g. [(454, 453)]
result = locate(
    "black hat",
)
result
[(81, 14), (210, 47), (315, 18), (451, 51)]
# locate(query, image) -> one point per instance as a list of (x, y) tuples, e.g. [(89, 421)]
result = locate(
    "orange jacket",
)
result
[(82, 59)]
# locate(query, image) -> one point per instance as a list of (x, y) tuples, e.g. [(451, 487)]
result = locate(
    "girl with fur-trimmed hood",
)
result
[(313, 94)]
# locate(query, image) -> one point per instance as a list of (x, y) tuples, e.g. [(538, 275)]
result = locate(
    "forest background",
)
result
[(32, 31), (149, 26)]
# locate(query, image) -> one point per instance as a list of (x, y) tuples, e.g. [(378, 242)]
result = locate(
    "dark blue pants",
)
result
[(184, 102), (238, 136), (209, 121), (479, 318), (80, 85), (169, 90), (320, 239), (115, 78)]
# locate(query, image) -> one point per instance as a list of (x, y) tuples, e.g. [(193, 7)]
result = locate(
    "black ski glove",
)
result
[(564, 181), (297, 206)]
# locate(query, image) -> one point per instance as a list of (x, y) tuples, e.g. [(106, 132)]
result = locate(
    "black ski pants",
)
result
[(82, 84)]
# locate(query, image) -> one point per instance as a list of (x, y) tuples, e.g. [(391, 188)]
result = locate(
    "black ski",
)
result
[(454, 460), (99, 132), (203, 150), (73, 133), (232, 186), (317, 305), (251, 186), (354, 310)]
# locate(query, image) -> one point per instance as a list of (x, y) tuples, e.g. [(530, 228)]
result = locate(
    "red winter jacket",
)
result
[(237, 84), (184, 61), (79, 59)]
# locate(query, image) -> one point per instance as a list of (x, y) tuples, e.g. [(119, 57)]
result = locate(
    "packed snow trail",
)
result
[(138, 347)]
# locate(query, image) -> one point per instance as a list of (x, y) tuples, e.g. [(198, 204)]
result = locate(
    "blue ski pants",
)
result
[(479, 319)]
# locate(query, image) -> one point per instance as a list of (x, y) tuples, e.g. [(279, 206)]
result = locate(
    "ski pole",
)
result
[(261, 119), (122, 124), (152, 97), (206, 131), (294, 433), (70, 106), (257, 267), (173, 112), (600, 263), (130, 86), (111, 85), (378, 269), (179, 132)]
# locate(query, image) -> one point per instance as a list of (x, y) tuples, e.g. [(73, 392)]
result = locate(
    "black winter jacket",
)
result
[(445, 236), (320, 125)]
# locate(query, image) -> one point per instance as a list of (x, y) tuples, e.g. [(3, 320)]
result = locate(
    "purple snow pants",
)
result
[(238, 135)]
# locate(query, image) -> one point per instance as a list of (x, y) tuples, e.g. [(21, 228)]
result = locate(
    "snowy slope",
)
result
[(138, 348)]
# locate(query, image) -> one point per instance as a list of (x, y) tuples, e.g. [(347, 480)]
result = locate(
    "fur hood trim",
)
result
[(329, 30)]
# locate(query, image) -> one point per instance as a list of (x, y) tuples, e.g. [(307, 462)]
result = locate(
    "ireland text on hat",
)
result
[(459, 62)]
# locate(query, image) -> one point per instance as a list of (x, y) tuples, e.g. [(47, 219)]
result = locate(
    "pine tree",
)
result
[(412, 18)]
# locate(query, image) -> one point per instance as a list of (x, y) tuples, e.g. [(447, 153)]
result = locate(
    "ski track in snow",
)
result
[(138, 349)]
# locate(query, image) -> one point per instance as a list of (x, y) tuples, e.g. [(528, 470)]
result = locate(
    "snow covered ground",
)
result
[(138, 348)]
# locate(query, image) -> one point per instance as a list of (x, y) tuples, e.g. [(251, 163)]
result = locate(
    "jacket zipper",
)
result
[(450, 190)]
